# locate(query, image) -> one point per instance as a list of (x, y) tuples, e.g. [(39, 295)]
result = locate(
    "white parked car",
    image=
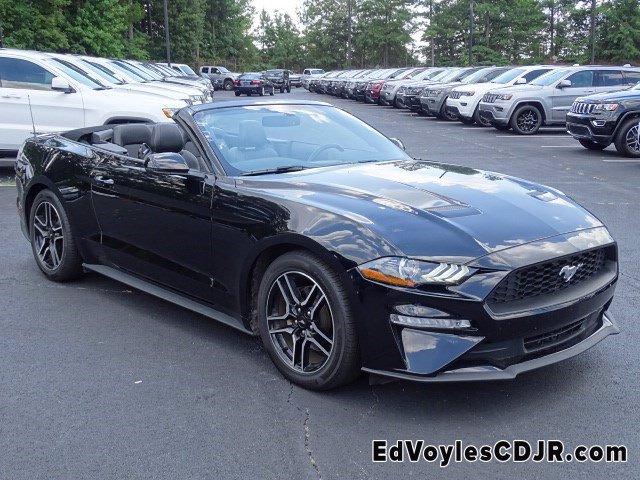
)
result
[(130, 76), (463, 101), (40, 93), (308, 74)]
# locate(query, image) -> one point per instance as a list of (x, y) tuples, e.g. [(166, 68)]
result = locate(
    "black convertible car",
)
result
[(298, 222)]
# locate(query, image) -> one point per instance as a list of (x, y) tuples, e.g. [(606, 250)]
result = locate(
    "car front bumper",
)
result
[(582, 127), (491, 372), (495, 113), (500, 344), (463, 107), (432, 105)]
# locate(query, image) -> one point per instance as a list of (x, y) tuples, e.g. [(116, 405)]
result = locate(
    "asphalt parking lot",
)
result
[(99, 381)]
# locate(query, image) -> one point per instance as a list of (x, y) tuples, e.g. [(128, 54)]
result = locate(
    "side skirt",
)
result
[(168, 295)]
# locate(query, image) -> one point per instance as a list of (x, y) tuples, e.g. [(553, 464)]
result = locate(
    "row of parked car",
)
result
[(598, 105), (48, 92)]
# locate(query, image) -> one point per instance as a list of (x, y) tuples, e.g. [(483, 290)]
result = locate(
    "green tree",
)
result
[(619, 32)]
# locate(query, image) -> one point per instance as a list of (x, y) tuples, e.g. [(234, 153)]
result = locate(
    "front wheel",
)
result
[(52, 240), (237, 93), (627, 139), (273, 91), (588, 144), (262, 92), (305, 322), (479, 119), (526, 120), (445, 113)]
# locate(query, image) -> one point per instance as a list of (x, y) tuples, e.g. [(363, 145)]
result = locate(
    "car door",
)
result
[(156, 224), (26, 99), (582, 84), (610, 81)]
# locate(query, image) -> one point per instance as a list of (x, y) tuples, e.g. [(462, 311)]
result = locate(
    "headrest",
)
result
[(166, 137), (131, 134), (251, 134)]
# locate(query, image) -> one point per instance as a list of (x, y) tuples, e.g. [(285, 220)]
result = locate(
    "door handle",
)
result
[(103, 180)]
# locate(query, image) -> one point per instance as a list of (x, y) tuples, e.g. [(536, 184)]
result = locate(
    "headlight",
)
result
[(605, 107), (433, 93), (467, 94), (169, 112), (504, 96), (406, 272)]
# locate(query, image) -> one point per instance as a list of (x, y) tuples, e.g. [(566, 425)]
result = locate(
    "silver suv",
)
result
[(548, 98)]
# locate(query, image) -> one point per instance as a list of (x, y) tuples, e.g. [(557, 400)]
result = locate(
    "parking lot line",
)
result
[(561, 136), (557, 146), (624, 160)]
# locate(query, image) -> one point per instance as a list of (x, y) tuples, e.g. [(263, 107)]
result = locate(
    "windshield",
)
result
[(222, 70), (447, 75), (475, 76), (128, 68), (135, 69), (78, 74), (187, 69), (509, 75), (155, 69), (549, 78), (169, 72), (266, 137), (129, 76), (275, 73), (103, 72), (153, 74)]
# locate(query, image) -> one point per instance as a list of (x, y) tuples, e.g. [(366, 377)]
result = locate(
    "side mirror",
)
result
[(168, 162), (564, 84), (398, 143), (59, 84), (520, 81)]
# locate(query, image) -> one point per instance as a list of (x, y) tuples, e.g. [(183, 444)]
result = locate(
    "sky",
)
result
[(283, 6)]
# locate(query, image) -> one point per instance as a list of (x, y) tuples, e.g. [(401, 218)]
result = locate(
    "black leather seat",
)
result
[(131, 136), (167, 137), (252, 143)]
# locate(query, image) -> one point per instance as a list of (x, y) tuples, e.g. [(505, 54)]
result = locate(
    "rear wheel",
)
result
[(627, 139), (591, 145), (52, 239), (305, 322), (526, 120), (228, 84)]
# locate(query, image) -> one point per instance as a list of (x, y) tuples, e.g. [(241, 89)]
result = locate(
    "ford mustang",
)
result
[(300, 223)]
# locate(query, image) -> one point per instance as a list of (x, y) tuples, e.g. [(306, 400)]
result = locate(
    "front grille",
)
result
[(489, 98), (554, 337), (455, 95), (548, 277), (582, 108)]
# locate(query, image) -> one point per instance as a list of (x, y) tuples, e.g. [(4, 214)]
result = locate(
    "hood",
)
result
[(446, 85), (618, 95), (521, 88), (432, 210), (479, 88)]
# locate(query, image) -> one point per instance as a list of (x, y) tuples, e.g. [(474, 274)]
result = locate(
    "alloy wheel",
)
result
[(633, 139), (300, 322), (527, 120), (48, 235)]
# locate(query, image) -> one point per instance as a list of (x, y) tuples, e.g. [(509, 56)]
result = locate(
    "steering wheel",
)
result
[(316, 153)]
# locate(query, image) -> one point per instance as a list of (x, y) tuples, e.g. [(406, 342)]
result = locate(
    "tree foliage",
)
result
[(328, 33)]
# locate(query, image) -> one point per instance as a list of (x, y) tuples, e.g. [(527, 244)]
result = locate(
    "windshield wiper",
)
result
[(290, 168)]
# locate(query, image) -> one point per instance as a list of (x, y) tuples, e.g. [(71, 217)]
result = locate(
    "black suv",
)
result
[(280, 78), (599, 120)]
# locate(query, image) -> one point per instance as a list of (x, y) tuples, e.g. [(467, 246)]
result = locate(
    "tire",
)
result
[(273, 91), (627, 141), (281, 89), (237, 94), (289, 89), (481, 122), (49, 225), (444, 113), (466, 121), (329, 328), (228, 84), (588, 144), (261, 92), (526, 120)]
